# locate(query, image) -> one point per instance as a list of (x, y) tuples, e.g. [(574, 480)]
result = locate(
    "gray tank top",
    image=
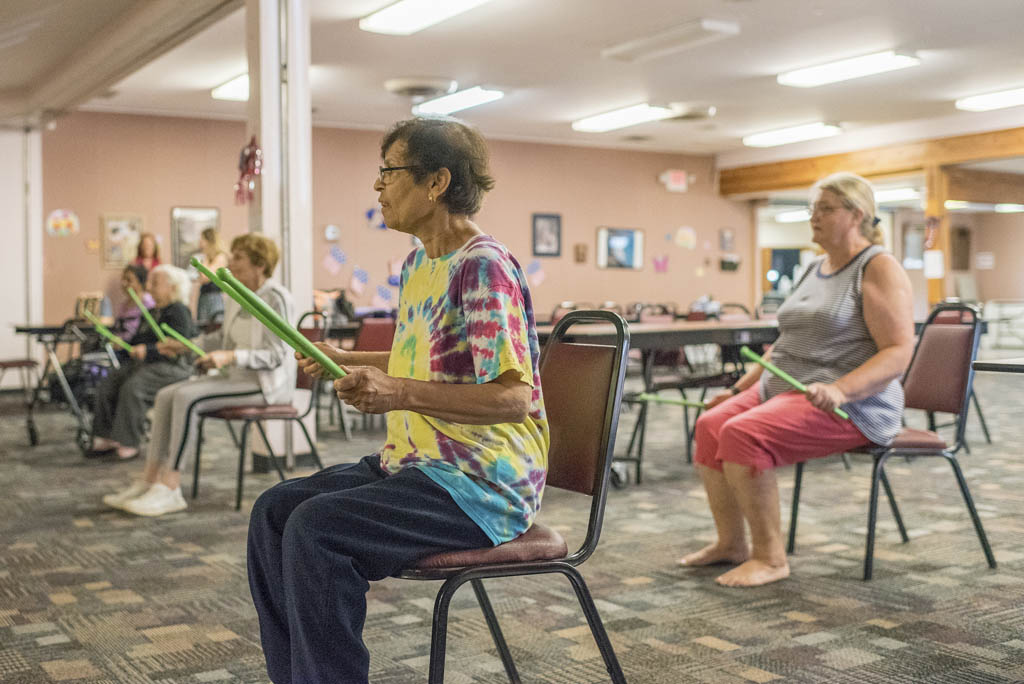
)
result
[(823, 336)]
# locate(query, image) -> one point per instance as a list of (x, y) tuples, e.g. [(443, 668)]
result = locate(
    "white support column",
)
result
[(298, 234), (263, 43)]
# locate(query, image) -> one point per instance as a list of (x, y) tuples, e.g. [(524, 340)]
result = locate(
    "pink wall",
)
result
[(104, 163)]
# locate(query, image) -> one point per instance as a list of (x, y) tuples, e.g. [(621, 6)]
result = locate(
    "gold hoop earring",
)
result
[(430, 197)]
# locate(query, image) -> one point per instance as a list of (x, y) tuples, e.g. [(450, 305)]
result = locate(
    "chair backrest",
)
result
[(582, 385), (940, 373), (375, 334)]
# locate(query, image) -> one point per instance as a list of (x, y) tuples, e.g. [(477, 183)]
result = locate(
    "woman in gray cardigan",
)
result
[(253, 367)]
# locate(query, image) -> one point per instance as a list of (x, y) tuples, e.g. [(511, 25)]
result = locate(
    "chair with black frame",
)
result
[(939, 378), (582, 385), (257, 415), (962, 317)]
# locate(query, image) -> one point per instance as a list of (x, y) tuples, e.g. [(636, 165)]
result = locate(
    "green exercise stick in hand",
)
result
[(797, 385), (145, 314), (655, 399), (184, 340), (231, 292), (105, 331)]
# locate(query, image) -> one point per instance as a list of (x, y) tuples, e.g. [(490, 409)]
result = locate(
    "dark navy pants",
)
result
[(315, 543)]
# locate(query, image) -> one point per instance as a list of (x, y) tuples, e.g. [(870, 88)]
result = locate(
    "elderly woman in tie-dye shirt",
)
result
[(465, 458)]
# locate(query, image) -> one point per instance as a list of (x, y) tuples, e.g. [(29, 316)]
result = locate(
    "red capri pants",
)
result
[(784, 430)]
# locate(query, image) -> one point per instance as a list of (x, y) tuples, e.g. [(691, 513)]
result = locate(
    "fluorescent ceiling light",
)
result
[(846, 69), (410, 16), (236, 89), (795, 216), (897, 195), (464, 99), (959, 205), (682, 37), (983, 103), (1009, 208), (784, 136), (620, 118)]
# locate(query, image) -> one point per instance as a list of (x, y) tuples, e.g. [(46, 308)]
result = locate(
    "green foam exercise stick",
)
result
[(105, 331), (231, 292), (655, 399), (184, 340), (145, 314), (797, 385), (293, 337)]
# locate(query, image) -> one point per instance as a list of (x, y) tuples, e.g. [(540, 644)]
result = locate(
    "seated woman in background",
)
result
[(256, 367), (465, 459), (148, 253), (847, 333), (128, 317), (124, 396), (210, 305)]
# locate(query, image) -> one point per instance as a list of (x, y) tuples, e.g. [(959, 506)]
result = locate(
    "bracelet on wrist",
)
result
[(734, 389)]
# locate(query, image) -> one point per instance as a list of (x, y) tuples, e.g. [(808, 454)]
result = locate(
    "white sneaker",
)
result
[(158, 500), (133, 491)]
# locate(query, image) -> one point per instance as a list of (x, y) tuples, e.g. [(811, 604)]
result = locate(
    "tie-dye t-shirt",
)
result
[(466, 317)]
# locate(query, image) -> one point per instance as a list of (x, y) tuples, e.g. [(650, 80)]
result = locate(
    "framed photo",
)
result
[(187, 225), (620, 248), (120, 234), (547, 235)]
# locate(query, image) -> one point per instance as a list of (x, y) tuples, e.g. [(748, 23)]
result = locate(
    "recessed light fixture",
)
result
[(998, 100), (784, 136), (794, 216), (237, 89), (897, 195), (464, 99), (620, 118), (410, 16), (846, 69), (682, 37)]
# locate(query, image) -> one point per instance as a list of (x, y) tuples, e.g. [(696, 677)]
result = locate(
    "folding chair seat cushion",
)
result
[(254, 412), (540, 542), (18, 363), (910, 438)]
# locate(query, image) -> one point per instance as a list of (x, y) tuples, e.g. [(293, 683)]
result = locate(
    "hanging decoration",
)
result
[(61, 223), (382, 298), (330, 265), (686, 237), (250, 164), (359, 279), (661, 264), (338, 254), (374, 219)]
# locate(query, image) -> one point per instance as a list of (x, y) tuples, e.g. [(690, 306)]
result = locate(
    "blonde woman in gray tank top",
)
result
[(847, 332)]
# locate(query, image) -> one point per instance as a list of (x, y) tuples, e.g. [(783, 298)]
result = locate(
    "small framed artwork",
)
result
[(620, 248), (187, 226), (120, 233), (547, 235)]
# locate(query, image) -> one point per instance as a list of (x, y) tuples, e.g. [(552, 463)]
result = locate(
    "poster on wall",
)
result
[(187, 225), (620, 248), (547, 235), (120, 233)]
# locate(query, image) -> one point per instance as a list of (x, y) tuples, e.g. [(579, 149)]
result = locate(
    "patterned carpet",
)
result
[(92, 595)]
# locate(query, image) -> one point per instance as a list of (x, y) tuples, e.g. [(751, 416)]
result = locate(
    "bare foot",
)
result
[(101, 443), (754, 573), (125, 452), (714, 554)]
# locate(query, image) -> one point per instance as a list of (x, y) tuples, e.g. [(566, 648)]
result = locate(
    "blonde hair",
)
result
[(854, 192), (262, 251), (212, 236), (181, 284)]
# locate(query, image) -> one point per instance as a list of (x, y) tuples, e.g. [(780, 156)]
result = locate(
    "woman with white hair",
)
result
[(846, 332), (125, 395)]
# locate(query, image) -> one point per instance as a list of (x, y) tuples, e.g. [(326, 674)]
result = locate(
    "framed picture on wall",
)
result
[(120, 234), (187, 225), (620, 248), (547, 235)]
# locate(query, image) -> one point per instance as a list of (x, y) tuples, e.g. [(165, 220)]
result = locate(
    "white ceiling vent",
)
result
[(420, 88), (682, 37)]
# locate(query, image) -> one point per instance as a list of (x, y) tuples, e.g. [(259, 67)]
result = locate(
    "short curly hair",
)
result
[(434, 143), (261, 251)]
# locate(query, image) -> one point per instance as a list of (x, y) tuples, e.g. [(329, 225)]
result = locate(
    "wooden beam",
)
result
[(937, 227), (969, 185), (879, 161)]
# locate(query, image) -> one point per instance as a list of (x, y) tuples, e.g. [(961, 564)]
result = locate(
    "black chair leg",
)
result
[(312, 447), (798, 477), (234, 437), (981, 417), (869, 550), (496, 634), (604, 644), (982, 537), (846, 461), (686, 431), (895, 508), (439, 630), (195, 466), (241, 465), (270, 451)]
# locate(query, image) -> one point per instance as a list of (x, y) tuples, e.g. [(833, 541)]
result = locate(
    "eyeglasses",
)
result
[(384, 172)]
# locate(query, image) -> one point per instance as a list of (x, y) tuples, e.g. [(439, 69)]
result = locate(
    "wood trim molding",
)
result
[(969, 185)]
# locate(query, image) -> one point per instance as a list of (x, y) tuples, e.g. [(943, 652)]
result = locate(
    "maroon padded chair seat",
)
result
[(537, 543), (909, 438), (254, 412), (18, 363)]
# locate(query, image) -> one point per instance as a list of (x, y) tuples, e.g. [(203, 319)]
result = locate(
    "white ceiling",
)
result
[(545, 55)]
